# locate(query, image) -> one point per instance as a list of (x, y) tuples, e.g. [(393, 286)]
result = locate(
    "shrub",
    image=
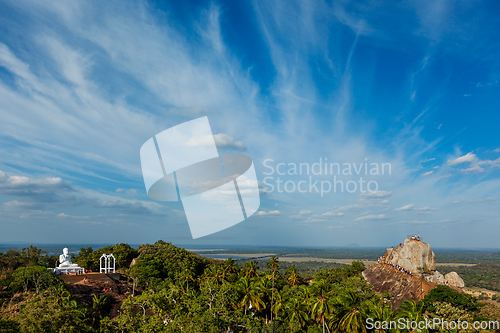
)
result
[(446, 294)]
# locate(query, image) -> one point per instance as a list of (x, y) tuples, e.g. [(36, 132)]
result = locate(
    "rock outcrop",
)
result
[(418, 257), (454, 280), (134, 262), (414, 255)]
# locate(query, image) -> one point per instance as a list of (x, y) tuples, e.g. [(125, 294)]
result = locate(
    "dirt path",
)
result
[(98, 284)]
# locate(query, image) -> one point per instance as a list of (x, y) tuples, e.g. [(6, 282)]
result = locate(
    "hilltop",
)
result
[(408, 272)]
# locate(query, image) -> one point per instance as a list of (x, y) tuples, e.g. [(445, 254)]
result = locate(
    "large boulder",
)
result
[(414, 255), (454, 280)]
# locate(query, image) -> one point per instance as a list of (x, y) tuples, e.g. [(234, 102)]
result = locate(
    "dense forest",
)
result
[(305, 268), (169, 289)]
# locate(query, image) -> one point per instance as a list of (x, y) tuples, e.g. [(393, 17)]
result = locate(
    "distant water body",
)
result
[(225, 257)]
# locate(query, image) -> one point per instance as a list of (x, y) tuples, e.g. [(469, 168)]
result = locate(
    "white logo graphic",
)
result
[(217, 191)]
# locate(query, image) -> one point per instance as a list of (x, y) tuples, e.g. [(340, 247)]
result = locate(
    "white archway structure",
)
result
[(106, 268)]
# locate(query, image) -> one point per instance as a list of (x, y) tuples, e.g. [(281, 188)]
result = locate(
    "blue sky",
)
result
[(413, 84)]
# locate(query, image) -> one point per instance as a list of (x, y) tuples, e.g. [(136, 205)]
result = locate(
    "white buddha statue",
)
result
[(65, 259)]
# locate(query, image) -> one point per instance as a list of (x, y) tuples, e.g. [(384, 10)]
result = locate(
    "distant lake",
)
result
[(222, 257), (225, 257)]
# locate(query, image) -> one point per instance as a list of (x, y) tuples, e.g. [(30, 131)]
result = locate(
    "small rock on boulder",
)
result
[(436, 277)]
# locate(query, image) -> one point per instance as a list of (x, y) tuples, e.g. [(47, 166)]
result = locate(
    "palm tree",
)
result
[(305, 294), (296, 310), (250, 269), (174, 293), (214, 273), (278, 303), (98, 308), (274, 265), (413, 311), (265, 284), (225, 272), (187, 275), (293, 277), (64, 298), (350, 312), (321, 302), (60, 292), (231, 265), (379, 311), (251, 294)]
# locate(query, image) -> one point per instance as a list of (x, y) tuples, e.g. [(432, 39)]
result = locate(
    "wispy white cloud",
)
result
[(268, 213), (375, 195), (38, 214), (475, 200), (476, 165), (132, 193), (63, 215), (314, 220), (332, 214), (372, 217), (407, 222), (225, 141), (21, 185), (405, 208), (350, 208), (190, 111), (494, 163), (301, 215), (85, 114), (469, 157), (415, 210), (47, 194), (474, 169)]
